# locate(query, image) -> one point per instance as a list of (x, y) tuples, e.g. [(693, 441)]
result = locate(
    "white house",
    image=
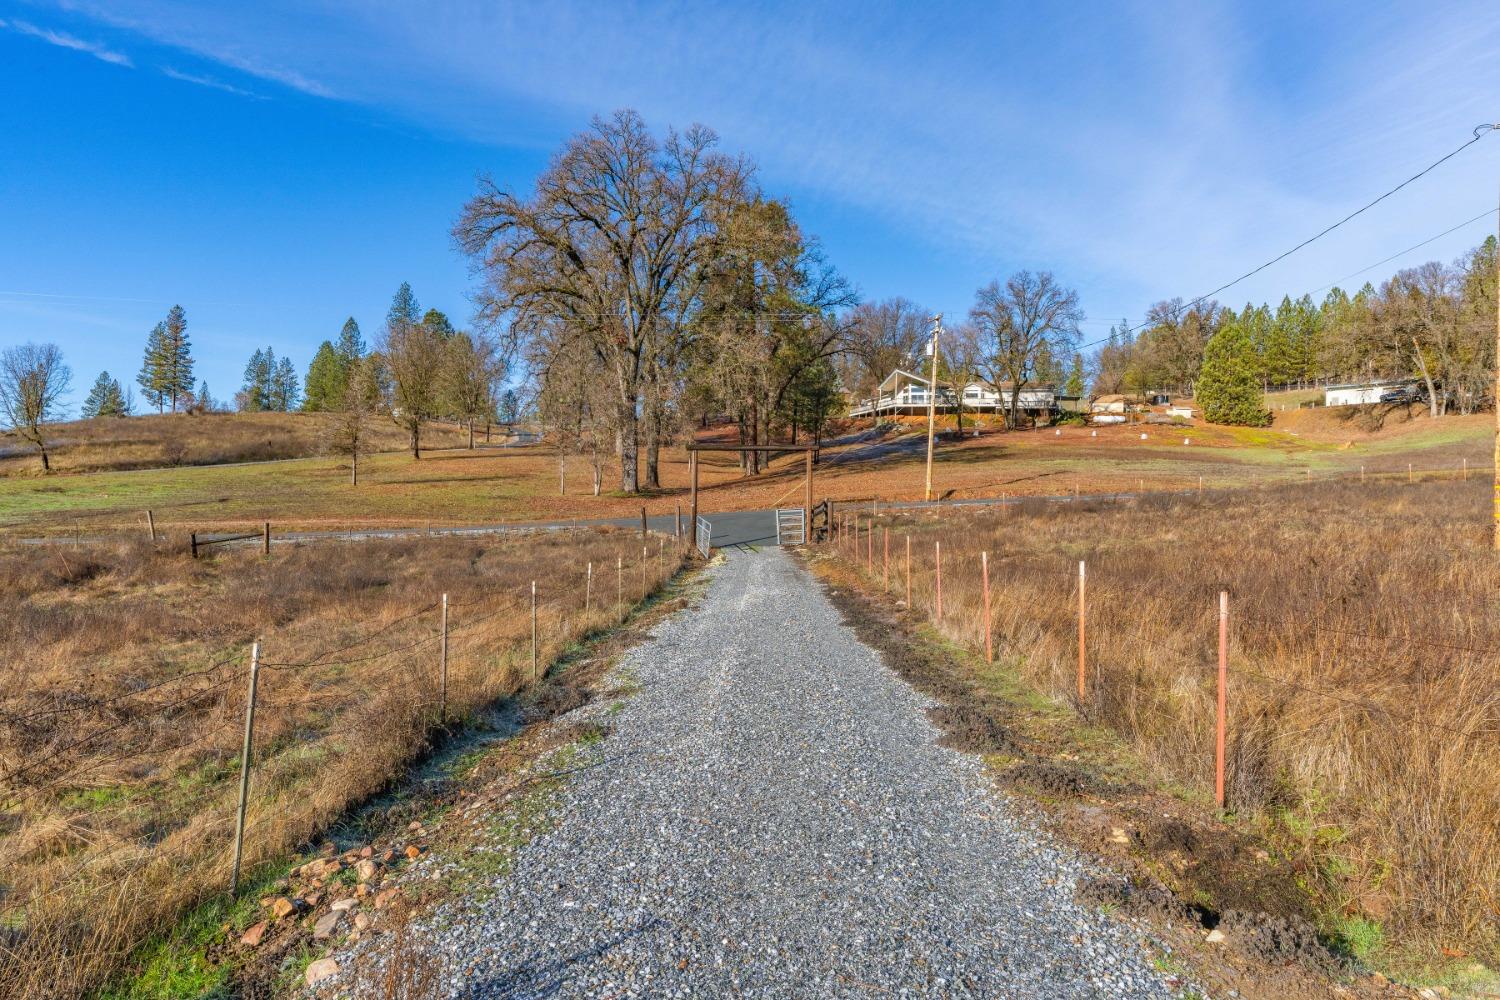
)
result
[(1361, 393), (903, 392)]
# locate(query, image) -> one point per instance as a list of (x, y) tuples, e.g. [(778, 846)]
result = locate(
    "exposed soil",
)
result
[(1212, 895)]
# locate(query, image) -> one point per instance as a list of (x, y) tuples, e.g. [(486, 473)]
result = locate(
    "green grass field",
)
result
[(458, 486)]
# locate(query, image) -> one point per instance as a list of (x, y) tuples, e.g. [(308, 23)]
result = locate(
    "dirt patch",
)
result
[(1052, 778), (554, 700), (972, 730)]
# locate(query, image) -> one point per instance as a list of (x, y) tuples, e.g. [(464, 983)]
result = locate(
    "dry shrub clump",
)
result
[(1364, 695), (123, 688)]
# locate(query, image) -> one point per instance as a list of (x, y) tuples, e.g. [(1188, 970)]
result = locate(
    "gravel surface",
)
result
[(771, 817)]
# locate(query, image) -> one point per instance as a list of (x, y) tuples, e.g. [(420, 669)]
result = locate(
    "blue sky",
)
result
[(276, 167)]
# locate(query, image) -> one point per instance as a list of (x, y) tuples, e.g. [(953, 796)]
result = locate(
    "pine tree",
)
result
[(284, 388), (1074, 386), (176, 358), (152, 377), (438, 323), (204, 400), (326, 378), (351, 346), (255, 394), (404, 308), (105, 399), (1227, 387)]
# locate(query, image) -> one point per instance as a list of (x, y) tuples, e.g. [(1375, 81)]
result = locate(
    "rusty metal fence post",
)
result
[(443, 668), (984, 568), (937, 550), (1220, 716), (1082, 627), (908, 571), (885, 560)]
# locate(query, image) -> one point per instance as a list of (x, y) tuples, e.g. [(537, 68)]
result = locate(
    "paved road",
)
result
[(771, 817)]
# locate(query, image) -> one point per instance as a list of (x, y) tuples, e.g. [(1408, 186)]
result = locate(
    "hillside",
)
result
[(172, 439)]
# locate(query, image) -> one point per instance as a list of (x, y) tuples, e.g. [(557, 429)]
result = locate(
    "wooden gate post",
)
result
[(151, 525), (245, 749), (807, 504), (588, 589), (267, 546), (533, 631), (693, 501)]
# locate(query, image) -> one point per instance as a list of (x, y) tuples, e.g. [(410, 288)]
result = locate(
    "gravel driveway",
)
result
[(772, 818)]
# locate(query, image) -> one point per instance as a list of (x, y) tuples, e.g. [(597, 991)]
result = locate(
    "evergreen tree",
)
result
[(255, 394), (326, 379), (284, 386), (105, 399), (438, 323), (204, 400), (1227, 388), (152, 377), (176, 357), (404, 309), (1074, 386), (351, 345)]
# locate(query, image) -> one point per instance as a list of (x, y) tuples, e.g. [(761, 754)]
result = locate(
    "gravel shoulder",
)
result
[(771, 816)]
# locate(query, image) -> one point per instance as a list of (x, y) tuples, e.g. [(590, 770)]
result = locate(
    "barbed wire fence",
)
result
[(429, 667)]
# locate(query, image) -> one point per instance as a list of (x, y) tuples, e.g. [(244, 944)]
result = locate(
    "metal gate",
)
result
[(704, 530), (791, 526)]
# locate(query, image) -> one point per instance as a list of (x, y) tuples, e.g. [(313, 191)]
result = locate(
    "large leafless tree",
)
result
[(612, 245), (1022, 324)]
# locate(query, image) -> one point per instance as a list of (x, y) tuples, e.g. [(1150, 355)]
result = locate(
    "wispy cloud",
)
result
[(64, 40), (1142, 150), (208, 81), (197, 31)]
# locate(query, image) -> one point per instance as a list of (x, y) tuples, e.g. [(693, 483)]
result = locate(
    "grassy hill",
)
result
[(174, 439)]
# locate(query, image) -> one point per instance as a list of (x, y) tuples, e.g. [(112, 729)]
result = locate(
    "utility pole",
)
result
[(937, 328)]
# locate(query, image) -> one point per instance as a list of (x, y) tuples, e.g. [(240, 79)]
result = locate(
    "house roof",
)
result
[(896, 377)]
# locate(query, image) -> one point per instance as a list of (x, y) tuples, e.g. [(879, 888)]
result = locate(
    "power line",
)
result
[(1479, 133), (1447, 232)]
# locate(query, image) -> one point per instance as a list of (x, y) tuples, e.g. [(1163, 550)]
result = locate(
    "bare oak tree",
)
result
[(33, 380), (1020, 325), (611, 245)]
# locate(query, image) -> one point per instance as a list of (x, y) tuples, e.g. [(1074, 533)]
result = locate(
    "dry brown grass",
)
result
[(123, 675), (1364, 700), (164, 440)]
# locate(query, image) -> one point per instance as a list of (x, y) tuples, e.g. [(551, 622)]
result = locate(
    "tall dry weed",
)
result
[(1364, 698)]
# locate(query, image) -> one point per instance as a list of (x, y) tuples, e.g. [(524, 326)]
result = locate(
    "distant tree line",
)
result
[(1434, 324)]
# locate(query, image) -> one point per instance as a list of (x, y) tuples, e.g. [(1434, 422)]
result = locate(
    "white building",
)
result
[(903, 392), (1361, 393)]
